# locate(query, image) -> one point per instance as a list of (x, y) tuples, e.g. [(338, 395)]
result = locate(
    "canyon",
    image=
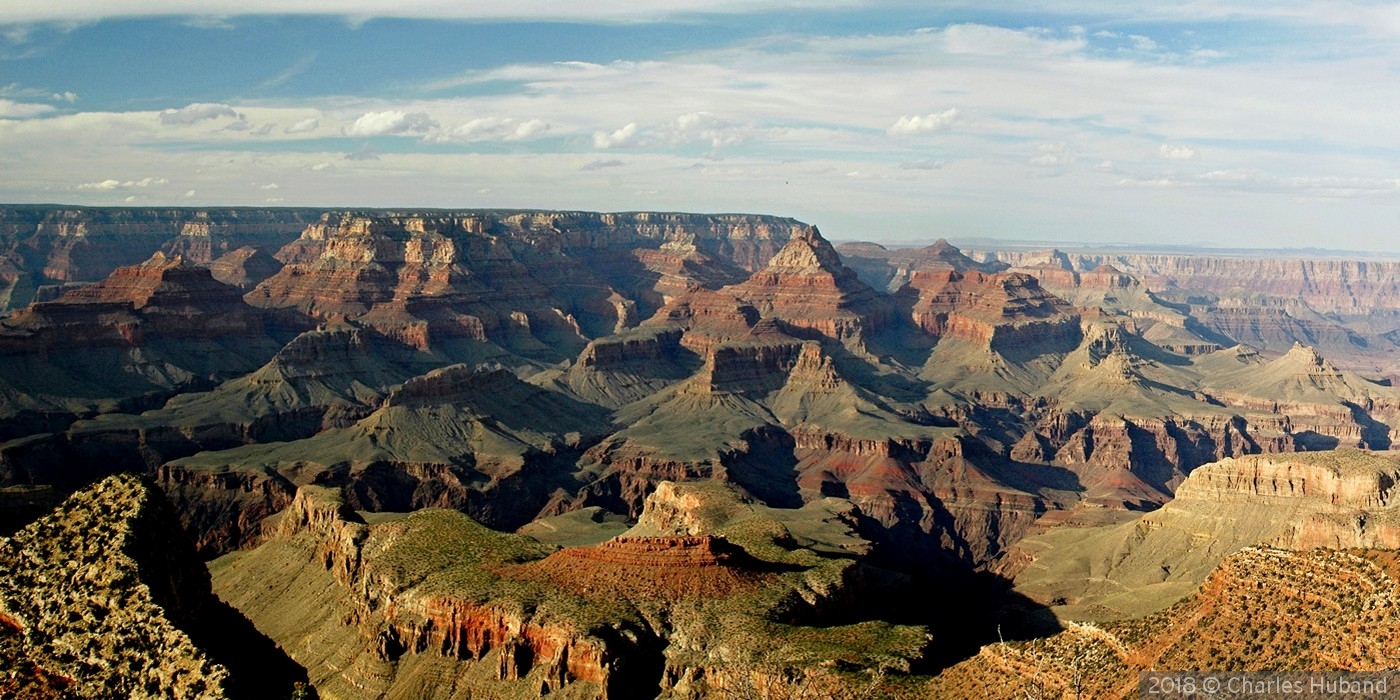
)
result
[(587, 454)]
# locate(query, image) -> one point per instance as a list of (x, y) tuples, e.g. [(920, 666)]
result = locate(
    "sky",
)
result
[(1226, 123)]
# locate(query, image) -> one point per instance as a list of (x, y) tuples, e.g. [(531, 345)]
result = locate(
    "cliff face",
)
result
[(1340, 499), (57, 245), (490, 612), (1004, 312), (394, 616), (1343, 286), (532, 282)]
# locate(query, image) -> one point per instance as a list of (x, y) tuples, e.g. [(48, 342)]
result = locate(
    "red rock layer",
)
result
[(1001, 311), (164, 297), (670, 568), (806, 287), (541, 282), (423, 622)]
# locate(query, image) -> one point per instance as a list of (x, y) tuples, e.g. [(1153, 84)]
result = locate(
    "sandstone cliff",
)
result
[(48, 245), (1339, 499), (377, 608)]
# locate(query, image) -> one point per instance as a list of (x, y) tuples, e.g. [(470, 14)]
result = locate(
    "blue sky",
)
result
[(1203, 122)]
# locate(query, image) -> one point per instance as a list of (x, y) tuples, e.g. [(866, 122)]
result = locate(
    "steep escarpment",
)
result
[(378, 608), (50, 245), (1335, 499), (106, 599), (129, 342), (1340, 285), (1261, 609), (532, 282)]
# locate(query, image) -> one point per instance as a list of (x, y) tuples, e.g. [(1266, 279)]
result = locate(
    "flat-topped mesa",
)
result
[(1336, 499), (745, 367), (807, 287), (458, 383), (613, 353), (999, 310), (667, 567), (1345, 479)]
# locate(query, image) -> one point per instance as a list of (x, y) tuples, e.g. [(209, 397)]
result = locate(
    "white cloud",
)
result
[(391, 122), (916, 124), (196, 112), (70, 97), (620, 137), (189, 194), (270, 186), (304, 126), (704, 127), (925, 164), (525, 130), (1050, 155), (1142, 43), (9, 109), (1176, 152), (110, 184), (492, 128)]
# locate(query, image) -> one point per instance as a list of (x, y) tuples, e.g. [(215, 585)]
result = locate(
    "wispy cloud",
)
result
[(289, 72), (108, 185), (917, 124), (304, 126), (197, 112)]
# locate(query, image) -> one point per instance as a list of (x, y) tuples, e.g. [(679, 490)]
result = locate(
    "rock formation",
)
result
[(103, 598), (1260, 610), (368, 607), (1342, 499)]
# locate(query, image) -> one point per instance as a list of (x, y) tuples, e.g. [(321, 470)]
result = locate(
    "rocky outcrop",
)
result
[(102, 593), (1005, 312), (889, 269), (807, 288), (1338, 499), (1260, 610)]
